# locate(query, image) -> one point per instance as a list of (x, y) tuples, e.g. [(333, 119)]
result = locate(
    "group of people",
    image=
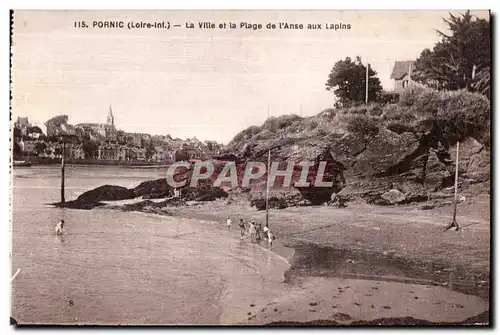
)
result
[(255, 230)]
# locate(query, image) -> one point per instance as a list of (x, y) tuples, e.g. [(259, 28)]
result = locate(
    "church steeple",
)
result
[(111, 118)]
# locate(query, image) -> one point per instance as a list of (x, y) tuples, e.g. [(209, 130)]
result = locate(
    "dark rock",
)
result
[(180, 156), (79, 204), (106, 193), (203, 193), (152, 189), (227, 157), (138, 206), (436, 174), (388, 154), (426, 207)]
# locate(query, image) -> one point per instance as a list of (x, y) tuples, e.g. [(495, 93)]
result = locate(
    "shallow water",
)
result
[(125, 268)]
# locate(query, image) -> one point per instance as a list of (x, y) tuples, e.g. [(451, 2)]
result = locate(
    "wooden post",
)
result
[(63, 200), (366, 94), (268, 175), (454, 223), (267, 189)]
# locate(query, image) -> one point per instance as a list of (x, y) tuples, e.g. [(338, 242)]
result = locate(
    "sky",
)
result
[(203, 83)]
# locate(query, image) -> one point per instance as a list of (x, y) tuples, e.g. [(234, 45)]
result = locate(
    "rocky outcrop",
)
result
[(78, 204), (367, 166), (153, 189), (280, 201), (203, 193), (106, 193)]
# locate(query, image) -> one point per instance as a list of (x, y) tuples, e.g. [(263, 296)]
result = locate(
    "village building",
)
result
[(28, 147), (161, 154), (101, 130), (23, 124), (401, 73), (75, 151), (112, 152)]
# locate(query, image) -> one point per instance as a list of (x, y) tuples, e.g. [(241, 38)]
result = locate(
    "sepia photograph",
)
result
[(250, 168)]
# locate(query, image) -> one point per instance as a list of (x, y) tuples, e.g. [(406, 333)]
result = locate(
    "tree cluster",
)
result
[(460, 60)]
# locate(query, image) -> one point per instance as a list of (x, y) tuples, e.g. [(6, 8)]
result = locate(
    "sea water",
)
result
[(114, 267)]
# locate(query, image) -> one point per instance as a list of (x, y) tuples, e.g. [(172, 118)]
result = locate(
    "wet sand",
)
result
[(364, 265)]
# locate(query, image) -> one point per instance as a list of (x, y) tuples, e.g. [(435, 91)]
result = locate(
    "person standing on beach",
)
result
[(252, 230), (59, 227), (228, 222), (258, 230), (242, 227), (270, 237)]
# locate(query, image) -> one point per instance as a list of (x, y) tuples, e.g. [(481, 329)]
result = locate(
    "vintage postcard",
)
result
[(231, 167)]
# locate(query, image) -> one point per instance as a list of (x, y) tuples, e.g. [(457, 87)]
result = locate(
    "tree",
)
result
[(57, 151), (34, 129), (347, 79), (150, 150), (452, 61), (40, 147), (16, 149), (17, 133), (90, 148)]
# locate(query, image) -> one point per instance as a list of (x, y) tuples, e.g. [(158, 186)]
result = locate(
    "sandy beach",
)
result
[(362, 264)]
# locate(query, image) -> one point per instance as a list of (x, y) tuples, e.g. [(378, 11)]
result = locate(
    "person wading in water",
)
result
[(59, 227), (242, 227), (270, 237), (258, 230), (252, 230)]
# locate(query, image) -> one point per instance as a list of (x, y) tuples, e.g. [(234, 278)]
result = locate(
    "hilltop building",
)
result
[(105, 130), (401, 73)]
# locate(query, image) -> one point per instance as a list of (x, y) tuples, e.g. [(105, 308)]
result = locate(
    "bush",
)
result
[(374, 109), (449, 116), (424, 101), (281, 122), (363, 125), (313, 124), (395, 114), (385, 97), (462, 114)]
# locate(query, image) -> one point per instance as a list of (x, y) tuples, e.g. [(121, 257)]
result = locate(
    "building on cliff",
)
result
[(105, 130), (401, 73)]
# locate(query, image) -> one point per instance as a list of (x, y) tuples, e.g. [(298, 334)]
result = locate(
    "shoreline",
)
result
[(317, 261)]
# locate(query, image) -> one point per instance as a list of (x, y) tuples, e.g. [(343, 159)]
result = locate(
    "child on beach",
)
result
[(270, 237), (228, 222), (258, 229), (242, 227), (59, 227), (252, 230)]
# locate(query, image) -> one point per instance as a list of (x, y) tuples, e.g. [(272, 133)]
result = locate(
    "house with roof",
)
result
[(23, 124), (401, 73)]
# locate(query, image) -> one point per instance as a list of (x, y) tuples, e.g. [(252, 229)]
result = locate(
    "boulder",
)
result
[(203, 193), (387, 153), (436, 174), (152, 189), (393, 196), (78, 204), (106, 193)]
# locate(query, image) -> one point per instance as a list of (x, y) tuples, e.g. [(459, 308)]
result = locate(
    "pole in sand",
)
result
[(15, 274), (366, 92), (63, 200), (268, 175), (454, 223)]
